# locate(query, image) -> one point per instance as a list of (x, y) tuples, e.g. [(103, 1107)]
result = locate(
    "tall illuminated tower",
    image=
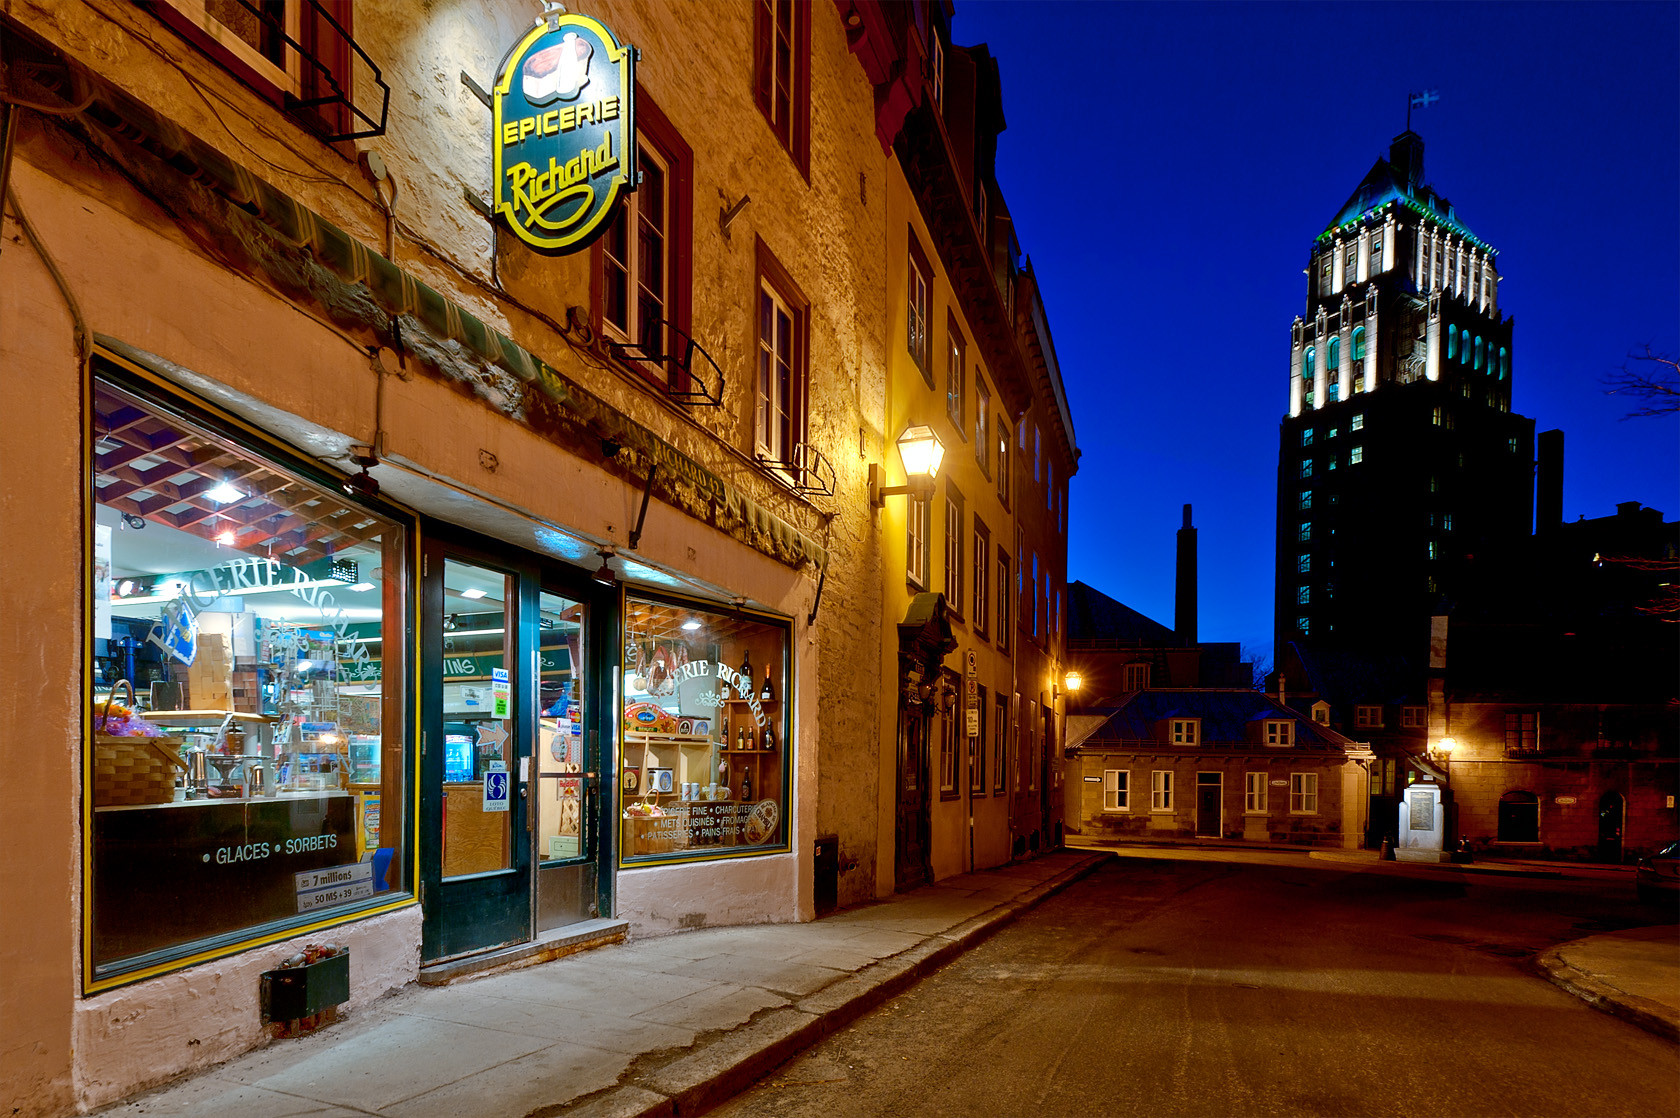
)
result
[(1404, 479)]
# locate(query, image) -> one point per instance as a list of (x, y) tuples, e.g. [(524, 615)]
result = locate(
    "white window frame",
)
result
[(1161, 792), (981, 591), (953, 555), (1368, 717), (1256, 793), (1303, 793), (1412, 718), (772, 408), (288, 78), (918, 310), (1137, 676), (915, 540), (956, 358), (982, 424), (1280, 733), (633, 215), (1184, 731), (1117, 790)]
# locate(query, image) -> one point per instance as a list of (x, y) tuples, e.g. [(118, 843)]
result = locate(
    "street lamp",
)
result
[(1075, 681), (921, 452), (1443, 750)]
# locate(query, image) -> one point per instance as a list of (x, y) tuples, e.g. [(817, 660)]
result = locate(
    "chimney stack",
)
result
[(1549, 497), (1184, 602), (1405, 155)]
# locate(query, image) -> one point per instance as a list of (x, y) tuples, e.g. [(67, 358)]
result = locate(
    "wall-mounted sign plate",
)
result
[(565, 133)]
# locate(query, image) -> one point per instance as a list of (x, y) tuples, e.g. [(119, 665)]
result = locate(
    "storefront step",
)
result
[(548, 945)]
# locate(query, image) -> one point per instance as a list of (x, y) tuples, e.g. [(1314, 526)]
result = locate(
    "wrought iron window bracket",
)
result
[(698, 393), (806, 471)]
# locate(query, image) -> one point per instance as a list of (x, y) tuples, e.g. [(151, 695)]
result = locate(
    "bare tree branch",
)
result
[(1653, 381)]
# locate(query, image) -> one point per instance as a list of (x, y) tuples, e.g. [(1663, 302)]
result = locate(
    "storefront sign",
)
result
[(565, 133), (500, 691), (1564, 800), (496, 790)]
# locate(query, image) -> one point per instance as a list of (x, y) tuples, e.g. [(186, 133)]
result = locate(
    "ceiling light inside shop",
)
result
[(225, 494), (225, 537), (691, 624), (472, 592)]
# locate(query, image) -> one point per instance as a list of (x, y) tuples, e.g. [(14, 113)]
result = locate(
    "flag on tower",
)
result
[(1425, 99)]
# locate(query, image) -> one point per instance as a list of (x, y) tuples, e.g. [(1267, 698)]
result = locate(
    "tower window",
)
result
[(1306, 467), (1312, 355), (1302, 624), (1303, 595), (1504, 362), (1306, 494), (1357, 423), (1334, 364), (1478, 363), (1303, 563), (1359, 343), (1452, 342), (1306, 436), (1352, 266), (1306, 530), (1333, 392), (1356, 456), (1510, 445), (1435, 415), (1376, 257)]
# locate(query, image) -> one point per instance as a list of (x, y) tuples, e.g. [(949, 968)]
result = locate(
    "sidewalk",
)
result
[(658, 1026)]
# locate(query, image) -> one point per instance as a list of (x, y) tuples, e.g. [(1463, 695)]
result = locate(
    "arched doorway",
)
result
[(1519, 817), (1612, 812)]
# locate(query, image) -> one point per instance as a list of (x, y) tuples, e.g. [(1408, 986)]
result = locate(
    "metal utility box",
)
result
[(294, 992)]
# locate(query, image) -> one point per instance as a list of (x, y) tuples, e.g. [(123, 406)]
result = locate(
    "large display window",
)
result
[(706, 755), (246, 765)]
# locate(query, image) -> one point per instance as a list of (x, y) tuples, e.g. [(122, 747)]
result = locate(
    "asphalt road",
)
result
[(1239, 983)]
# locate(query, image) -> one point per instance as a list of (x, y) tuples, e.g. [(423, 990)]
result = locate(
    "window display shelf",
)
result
[(198, 717)]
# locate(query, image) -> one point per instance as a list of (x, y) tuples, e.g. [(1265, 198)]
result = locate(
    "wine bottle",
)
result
[(747, 669), (746, 784), (768, 692), (769, 740)]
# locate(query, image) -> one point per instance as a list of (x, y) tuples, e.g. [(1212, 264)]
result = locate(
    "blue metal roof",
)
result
[(1225, 714)]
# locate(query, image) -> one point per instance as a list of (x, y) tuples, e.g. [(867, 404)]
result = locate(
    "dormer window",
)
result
[(1137, 677), (1280, 732), (1185, 731), (1368, 717)]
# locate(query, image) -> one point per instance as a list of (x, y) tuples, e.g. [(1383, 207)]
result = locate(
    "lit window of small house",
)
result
[(1185, 731), (247, 692), (1115, 789), (706, 757), (1280, 732), (1303, 793), (1367, 717), (1411, 718), (1161, 790), (1255, 793)]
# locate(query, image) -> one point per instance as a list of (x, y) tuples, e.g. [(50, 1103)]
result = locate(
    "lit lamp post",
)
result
[(1074, 681), (1443, 750), (922, 452)]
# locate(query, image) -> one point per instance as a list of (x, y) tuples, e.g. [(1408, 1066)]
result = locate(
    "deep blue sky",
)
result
[(1168, 164)]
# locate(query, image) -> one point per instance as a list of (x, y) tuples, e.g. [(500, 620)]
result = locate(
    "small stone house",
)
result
[(1213, 763)]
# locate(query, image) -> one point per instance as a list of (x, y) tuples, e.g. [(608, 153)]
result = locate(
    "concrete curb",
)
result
[(1647, 1014), (739, 1058)]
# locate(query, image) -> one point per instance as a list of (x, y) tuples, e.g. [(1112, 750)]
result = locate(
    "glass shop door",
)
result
[(477, 727), (566, 801)]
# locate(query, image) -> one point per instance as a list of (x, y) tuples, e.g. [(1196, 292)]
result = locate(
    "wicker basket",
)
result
[(133, 770)]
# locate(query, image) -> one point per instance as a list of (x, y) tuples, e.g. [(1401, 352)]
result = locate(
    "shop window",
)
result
[(1161, 790), (642, 262), (783, 333), (707, 750), (955, 355), (1000, 743), (1137, 677), (1519, 817), (249, 713), (297, 54), (1303, 793), (918, 315), (782, 74), (982, 584), (1116, 790), (1255, 793), (1280, 732), (977, 743)]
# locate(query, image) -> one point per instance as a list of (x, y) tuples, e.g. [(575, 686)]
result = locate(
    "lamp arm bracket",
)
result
[(641, 517)]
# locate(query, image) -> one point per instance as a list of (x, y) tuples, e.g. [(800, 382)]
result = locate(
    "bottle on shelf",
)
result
[(746, 666), (769, 743), (746, 784), (767, 694), (726, 729)]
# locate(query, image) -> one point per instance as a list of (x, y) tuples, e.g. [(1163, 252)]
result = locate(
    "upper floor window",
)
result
[(1306, 530), (642, 265), (1137, 677), (1306, 499), (954, 357), (1333, 391), (1306, 436), (1003, 462), (1003, 590), (953, 552), (1356, 456), (1368, 717), (782, 73), (1352, 265), (918, 310), (936, 71), (915, 540), (1306, 467), (1303, 562), (982, 584), (1359, 343), (1326, 277), (1357, 423), (1185, 731), (783, 317), (1280, 731), (1477, 363), (293, 53), (1333, 362), (1411, 718), (1376, 255), (1452, 342), (1312, 355), (1504, 362), (982, 423), (1522, 730)]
